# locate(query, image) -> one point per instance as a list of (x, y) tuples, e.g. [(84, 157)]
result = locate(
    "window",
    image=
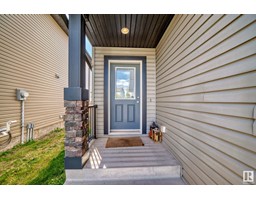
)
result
[(125, 83), (88, 46)]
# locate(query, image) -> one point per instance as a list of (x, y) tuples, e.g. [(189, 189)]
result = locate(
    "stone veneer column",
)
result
[(76, 133)]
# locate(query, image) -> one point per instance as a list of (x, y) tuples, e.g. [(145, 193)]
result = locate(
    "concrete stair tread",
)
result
[(130, 175), (128, 155), (119, 164), (133, 159)]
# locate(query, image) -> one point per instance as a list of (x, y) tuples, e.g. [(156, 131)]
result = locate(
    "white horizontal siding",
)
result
[(98, 70), (32, 49), (206, 95)]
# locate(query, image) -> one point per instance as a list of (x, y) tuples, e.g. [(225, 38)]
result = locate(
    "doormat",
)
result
[(124, 142)]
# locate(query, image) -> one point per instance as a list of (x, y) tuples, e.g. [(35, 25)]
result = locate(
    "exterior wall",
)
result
[(32, 49), (206, 95), (98, 71)]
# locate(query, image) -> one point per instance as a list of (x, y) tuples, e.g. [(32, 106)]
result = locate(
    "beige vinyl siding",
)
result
[(98, 70), (32, 49), (206, 95)]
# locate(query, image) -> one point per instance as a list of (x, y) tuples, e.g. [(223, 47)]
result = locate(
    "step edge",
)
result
[(123, 173)]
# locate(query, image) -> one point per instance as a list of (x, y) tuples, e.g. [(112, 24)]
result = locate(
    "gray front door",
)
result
[(124, 96)]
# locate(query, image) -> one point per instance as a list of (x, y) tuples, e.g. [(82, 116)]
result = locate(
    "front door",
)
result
[(125, 97)]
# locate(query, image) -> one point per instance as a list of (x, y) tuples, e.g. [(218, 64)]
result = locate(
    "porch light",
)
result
[(125, 30)]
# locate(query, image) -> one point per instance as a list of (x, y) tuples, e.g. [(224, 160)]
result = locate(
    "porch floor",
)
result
[(150, 164), (151, 154)]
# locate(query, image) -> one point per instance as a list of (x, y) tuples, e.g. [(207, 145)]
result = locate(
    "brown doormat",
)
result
[(124, 142)]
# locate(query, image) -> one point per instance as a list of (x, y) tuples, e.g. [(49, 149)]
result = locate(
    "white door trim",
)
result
[(141, 97)]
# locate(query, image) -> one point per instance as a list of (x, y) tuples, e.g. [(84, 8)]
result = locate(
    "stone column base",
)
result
[(76, 133)]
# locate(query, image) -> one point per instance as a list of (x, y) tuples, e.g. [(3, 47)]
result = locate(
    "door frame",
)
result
[(143, 94), (141, 97)]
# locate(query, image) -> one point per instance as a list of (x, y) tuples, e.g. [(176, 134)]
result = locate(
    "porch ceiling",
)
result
[(145, 30)]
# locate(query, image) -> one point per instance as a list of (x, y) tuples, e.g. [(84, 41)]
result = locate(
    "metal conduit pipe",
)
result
[(22, 120), (5, 131), (22, 96), (30, 132)]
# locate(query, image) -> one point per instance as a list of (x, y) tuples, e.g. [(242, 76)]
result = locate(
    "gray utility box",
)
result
[(21, 94)]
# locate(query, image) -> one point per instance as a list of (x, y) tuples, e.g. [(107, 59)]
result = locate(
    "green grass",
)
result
[(38, 162)]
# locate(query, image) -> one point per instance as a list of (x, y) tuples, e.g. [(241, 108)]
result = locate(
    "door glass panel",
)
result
[(125, 83)]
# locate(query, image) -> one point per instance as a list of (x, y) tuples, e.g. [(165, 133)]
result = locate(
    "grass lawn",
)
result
[(38, 162)]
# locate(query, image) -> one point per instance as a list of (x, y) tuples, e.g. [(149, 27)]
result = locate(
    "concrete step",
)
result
[(134, 153), (160, 175), (163, 181), (119, 164)]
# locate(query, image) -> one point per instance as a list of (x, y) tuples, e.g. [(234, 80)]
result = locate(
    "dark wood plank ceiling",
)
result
[(145, 31)]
